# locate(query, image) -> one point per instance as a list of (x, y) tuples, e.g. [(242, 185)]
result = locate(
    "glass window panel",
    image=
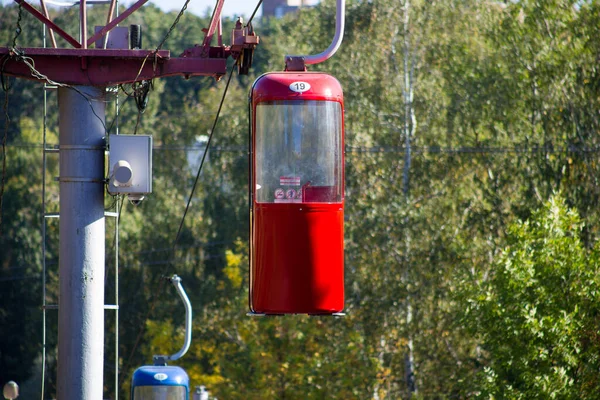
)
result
[(159, 393), (298, 152)]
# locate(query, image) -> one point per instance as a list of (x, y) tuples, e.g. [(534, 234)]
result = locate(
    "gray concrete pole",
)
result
[(81, 257)]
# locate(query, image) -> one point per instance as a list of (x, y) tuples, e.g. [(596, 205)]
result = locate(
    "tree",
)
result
[(536, 317)]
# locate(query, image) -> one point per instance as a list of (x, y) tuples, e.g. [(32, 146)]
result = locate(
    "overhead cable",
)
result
[(349, 149), (254, 13), (181, 224)]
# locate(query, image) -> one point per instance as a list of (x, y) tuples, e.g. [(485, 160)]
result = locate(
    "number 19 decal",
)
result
[(299, 87)]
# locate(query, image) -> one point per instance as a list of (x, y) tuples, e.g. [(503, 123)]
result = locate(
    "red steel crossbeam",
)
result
[(49, 23), (73, 42), (107, 67)]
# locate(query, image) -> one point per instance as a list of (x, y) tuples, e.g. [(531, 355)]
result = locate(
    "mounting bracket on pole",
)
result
[(162, 360), (298, 63)]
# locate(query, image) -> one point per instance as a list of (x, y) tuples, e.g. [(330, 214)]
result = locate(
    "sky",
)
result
[(231, 8)]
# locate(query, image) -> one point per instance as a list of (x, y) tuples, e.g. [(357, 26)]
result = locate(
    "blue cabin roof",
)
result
[(155, 375)]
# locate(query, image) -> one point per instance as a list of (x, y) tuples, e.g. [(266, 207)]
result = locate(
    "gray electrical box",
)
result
[(130, 165), (118, 38)]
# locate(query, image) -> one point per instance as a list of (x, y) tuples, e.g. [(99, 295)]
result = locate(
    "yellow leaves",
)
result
[(161, 336), (232, 268), (197, 377), (200, 373)]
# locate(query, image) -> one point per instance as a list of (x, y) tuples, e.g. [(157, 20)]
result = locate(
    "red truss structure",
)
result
[(102, 67)]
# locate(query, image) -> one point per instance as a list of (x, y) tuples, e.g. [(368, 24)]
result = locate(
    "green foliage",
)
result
[(536, 312)]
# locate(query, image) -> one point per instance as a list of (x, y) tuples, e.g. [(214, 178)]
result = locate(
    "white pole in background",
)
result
[(82, 236)]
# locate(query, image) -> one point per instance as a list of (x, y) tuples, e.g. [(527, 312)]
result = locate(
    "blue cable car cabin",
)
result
[(154, 382)]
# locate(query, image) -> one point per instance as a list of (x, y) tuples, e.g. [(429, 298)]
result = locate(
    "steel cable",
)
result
[(181, 224)]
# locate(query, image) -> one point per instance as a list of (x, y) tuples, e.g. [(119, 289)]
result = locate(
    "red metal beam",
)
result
[(109, 18), (212, 27), (109, 67), (83, 23), (49, 23), (47, 15), (116, 21)]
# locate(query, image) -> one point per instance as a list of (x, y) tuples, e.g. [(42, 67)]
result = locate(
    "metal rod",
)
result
[(49, 23), (212, 27), (117, 302), (44, 131), (116, 21), (117, 221), (47, 15), (337, 39), (176, 281), (220, 33), (111, 11), (81, 253), (83, 24)]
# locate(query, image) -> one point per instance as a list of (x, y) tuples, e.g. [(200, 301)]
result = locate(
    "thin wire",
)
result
[(212, 131), (543, 149), (171, 259), (254, 13), (137, 122), (162, 42), (30, 63), (173, 25), (142, 88), (4, 138)]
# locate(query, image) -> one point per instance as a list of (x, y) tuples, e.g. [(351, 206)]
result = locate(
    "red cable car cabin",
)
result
[(297, 194)]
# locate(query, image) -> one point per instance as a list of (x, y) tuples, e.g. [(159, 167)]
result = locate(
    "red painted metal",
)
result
[(111, 11), (47, 15), (109, 67), (296, 249), (298, 258), (220, 33), (276, 87), (213, 25), (116, 21), (49, 23), (83, 23), (102, 67)]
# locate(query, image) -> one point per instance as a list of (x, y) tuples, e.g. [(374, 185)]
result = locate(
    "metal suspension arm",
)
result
[(295, 63), (161, 360)]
